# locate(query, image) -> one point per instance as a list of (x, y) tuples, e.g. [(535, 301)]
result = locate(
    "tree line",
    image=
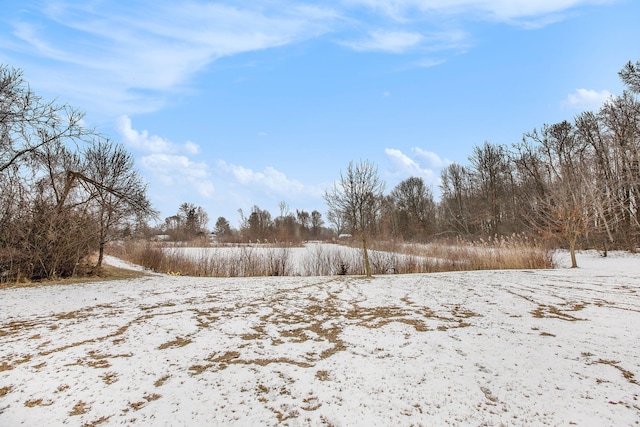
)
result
[(190, 222), (576, 180)]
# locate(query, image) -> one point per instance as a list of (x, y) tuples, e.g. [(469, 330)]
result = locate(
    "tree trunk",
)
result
[(572, 251), (100, 255), (367, 266)]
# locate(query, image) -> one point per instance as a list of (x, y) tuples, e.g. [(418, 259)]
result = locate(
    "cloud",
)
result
[(401, 42), (153, 143), (270, 178), (136, 53), (586, 99), (387, 41), (428, 63), (423, 164), (407, 167), (433, 160), (167, 162), (118, 58), (510, 11)]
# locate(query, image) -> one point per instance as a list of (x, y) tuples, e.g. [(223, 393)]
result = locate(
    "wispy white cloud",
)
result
[(142, 51), (167, 162), (400, 42), (512, 11), (587, 99), (118, 57), (428, 63), (387, 41)]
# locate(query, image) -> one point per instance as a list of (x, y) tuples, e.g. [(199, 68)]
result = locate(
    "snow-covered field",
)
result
[(552, 347)]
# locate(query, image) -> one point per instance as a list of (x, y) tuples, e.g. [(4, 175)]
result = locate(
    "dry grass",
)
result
[(247, 262), (79, 409), (385, 257), (37, 402), (500, 253), (5, 390), (106, 272), (616, 364), (178, 342), (160, 381)]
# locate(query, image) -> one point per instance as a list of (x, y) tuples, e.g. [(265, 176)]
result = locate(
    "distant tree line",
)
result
[(578, 181), (191, 223), (65, 191)]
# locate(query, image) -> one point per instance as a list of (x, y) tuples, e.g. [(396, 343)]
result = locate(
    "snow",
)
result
[(544, 347)]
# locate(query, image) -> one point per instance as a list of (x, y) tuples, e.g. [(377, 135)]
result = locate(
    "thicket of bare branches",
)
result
[(64, 191), (573, 182)]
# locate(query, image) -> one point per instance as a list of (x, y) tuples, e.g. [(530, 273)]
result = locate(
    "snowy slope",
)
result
[(552, 347)]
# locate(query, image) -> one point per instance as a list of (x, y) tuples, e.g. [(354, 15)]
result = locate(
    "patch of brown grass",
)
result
[(322, 375), (109, 378), (625, 373), (137, 405), (5, 390), (97, 422), (37, 402), (79, 409), (178, 342), (160, 381), (198, 369), (151, 397), (552, 312), (105, 273)]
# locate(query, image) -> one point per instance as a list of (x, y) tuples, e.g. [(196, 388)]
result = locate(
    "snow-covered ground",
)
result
[(550, 347)]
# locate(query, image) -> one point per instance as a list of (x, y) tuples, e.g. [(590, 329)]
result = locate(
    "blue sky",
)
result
[(230, 104)]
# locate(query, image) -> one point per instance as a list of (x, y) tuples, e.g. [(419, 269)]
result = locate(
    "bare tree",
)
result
[(259, 224), (455, 200), (39, 238), (563, 209), (28, 123), (316, 223), (338, 221), (189, 222), (222, 228), (59, 201), (490, 173), (357, 198), (117, 192), (414, 208)]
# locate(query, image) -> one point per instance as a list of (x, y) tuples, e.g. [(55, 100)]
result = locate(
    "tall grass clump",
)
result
[(498, 253), (244, 261), (332, 260)]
